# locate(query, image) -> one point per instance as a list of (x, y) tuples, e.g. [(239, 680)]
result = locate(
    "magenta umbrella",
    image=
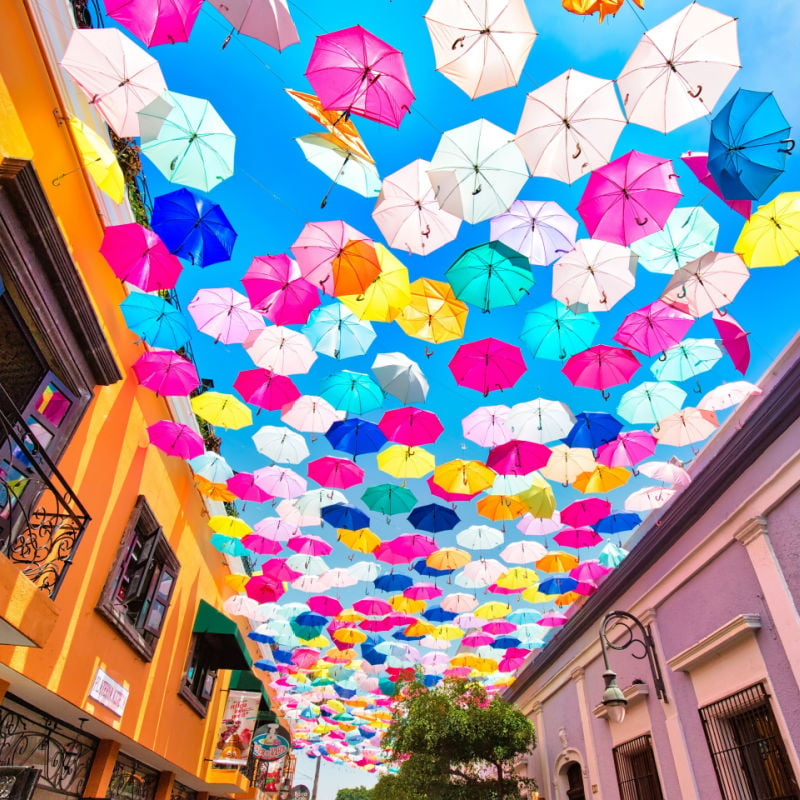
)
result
[(600, 367), (411, 426), (309, 546), (422, 591), (137, 255), (264, 589), (166, 373), (225, 315), (589, 572), (583, 513), (372, 606), (698, 164), (261, 545), (162, 22), (324, 604), (335, 473), (627, 449), (629, 198), (517, 457), (244, 486), (265, 389), (654, 328), (278, 290), (405, 548), (176, 439), (733, 339), (487, 364), (277, 569), (355, 72)]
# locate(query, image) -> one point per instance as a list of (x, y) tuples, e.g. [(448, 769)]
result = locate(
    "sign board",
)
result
[(300, 792), (108, 692), (236, 729), (269, 746)]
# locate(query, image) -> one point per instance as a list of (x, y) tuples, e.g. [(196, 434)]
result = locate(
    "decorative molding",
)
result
[(577, 674), (647, 617), (717, 642), (751, 530), (634, 694)]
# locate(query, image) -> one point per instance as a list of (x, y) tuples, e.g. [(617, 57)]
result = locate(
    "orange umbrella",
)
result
[(354, 267), (434, 313), (557, 561), (448, 558), (567, 599), (501, 507), (460, 476), (419, 628), (214, 491), (586, 7), (601, 479)]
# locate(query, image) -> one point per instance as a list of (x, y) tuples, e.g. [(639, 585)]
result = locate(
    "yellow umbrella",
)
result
[(518, 578), (771, 237), (317, 642), (538, 497), (601, 479), (349, 635), (434, 313), (236, 582), (448, 633), (222, 409), (214, 491), (99, 159), (229, 526), (387, 295), (406, 605), (492, 610), (461, 476), (362, 540), (501, 507), (348, 615), (448, 558), (406, 462), (474, 662), (566, 463), (419, 628), (335, 656), (533, 595), (557, 561)]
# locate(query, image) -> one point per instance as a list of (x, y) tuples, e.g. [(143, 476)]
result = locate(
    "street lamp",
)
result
[(633, 632)]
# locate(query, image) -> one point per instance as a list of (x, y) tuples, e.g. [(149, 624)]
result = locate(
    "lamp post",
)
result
[(633, 632)]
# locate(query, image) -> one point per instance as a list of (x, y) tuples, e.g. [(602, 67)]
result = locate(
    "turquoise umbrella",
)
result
[(491, 275), (156, 321), (353, 392), (687, 360), (335, 331), (688, 234), (229, 545), (650, 401), (388, 499), (555, 332)]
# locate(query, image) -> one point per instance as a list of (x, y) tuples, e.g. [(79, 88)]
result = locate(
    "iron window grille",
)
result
[(637, 774), (749, 755), (182, 792), (132, 780)]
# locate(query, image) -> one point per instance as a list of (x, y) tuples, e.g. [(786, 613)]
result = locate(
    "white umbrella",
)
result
[(281, 444), (268, 21), (540, 420), (566, 463), (477, 171), (536, 526), (570, 126), (666, 471), (727, 395), (680, 68), (480, 537), (649, 498), (311, 414), (486, 426), (281, 350), (483, 572), (344, 167), (308, 565), (480, 45), (539, 229), (458, 602), (400, 377)]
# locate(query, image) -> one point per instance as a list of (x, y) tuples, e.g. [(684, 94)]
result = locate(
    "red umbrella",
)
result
[(411, 426), (166, 373), (585, 512), (517, 457), (265, 389), (600, 367), (137, 255), (654, 328), (734, 339), (244, 486), (276, 287), (335, 473), (176, 439), (627, 449), (487, 365)]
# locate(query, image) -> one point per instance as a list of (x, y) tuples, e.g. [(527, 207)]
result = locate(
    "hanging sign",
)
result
[(269, 746), (236, 729), (301, 792)]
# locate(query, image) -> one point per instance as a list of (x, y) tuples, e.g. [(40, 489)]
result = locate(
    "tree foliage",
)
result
[(357, 793), (455, 742)]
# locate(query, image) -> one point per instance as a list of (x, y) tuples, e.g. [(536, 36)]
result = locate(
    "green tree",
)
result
[(455, 742), (357, 793)]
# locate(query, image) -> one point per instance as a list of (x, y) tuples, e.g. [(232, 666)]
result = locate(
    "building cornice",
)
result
[(716, 643)]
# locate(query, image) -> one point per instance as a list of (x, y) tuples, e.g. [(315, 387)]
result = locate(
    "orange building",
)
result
[(115, 659)]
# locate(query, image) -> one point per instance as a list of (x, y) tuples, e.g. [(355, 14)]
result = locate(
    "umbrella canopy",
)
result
[(280, 444), (540, 420), (771, 237), (355, 72), (707, 284), (335, 473), (280, 482), (680, 68), (433, 518), (99, 160), (487, 365), (137, 255), (156, 321), (592, 429), (176, 439), (434, 313), (281, 350), (388, 293), (556, 332), (666, 471), (477, 171), (224, 314), (570, 126), (269, 21), (687, 360), (566, 463), (649, 401), (353, 392), (355, 436), (406, 462), (698, 164), (167, 22), (480, 537), (601, 367), (166, 373), (481, 47), (517, 457), (727, 395), (218, 408), (310, 414), (486, 426), (388, 499), (539, 229), (654, 328), (687, 426), (733, 339), (400, 377), (411, 426), (265, 389), (335, 331), (649, 498), (627, 449), (277, 289)]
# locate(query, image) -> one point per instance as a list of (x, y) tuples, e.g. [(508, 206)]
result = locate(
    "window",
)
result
[(749, 755), (199, 677), (137, 593), (637, 775), (132, 780)]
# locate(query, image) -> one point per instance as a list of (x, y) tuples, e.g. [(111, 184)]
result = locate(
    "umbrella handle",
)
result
[(428, 352), (790, 146), (577, 153), (723, 312), (663, 356), (698, 388), (697, 91), (682, 293), (642, 221), (426, 232), (458, 42), (478, 190), (606, 395), (656, 428)]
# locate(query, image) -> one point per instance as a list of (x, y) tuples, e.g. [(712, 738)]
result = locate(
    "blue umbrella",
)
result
[(261, 637), (400, 636), (353, 392), (591, 429), (616, 523), (438, 614), (556, 332), (504, 642), (282, 656), (336, 331), (748, 145), (343, 516), (193, 227), (393, 582), (265, 665), (355, 436), (311, 620), (156, 321), (432, 680), (433, 518), (557, 585), (343, 691), (421, 566)]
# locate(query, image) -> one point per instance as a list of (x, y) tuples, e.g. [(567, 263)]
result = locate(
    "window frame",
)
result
[(198, 680), (630, 779)]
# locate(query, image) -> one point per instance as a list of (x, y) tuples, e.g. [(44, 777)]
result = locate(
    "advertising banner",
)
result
[(236, 730)]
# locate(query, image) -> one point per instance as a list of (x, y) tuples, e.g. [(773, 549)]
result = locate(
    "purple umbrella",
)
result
[(539, 229)]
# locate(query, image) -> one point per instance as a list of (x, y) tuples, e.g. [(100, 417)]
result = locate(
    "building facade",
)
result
[(714, 580)]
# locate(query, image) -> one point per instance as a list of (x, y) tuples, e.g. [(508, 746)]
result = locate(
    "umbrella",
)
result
[(450, 497), (335, 331), (611, 555), (155, 320), (480, 537), (393, 582), (137, 255), (592, 429), (680, 68), (748, 145), (687, 360), (771, 237), (355, 436), (601, 479), (280, 444), (501, 507), (269, 21), (733, 339), (340, 515), (604, 7), (487, 364), (400, 377), (617, 523), (355, 72), (433, 518), (187, 140), (405, 462), (222, 409), (434, 313), (477, 171), (280, 350), (176, 439), (554, 331), (224, 314), (166, 22), (629, 198), (193, 227), (601, 367), (654, 328), (280, 481), (265, 389), (211, 466), (335, 473), (517, 457), (522, 553), (627, 449), (408, 215), (649, 401), (276, 289), (707, 284), (541, 230), (480, 47), (309, 546), (411, 426), (576, 538), (99, 160), (570, 126), (118, 76), (388, 499), (311, 414), (540, 420), (688, 234), (486, 426), (666, 471), (243, 486), (490, 276), (698, 164), (166, 373), (687, 426), (648, 499), (388, 293), (540, 526), (353, 392), (555, 561), (727, 395), (566, 463), (594, 276)]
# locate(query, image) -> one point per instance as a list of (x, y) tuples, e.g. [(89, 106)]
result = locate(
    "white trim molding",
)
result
[(720, 640)]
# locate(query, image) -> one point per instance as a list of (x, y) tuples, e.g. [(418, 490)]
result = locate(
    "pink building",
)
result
[(715, 577)]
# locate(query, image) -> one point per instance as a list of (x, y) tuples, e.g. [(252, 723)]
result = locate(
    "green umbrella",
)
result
[(388, 499), (351, 391), (687, 360), (650, 401), (491, 275), (556, 332)]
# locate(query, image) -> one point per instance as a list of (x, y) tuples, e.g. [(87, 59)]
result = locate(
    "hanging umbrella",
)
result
[(629, 198), (400, 377), (556, 332), (486, 426), (434, 313), (680, 68), (707, 284), (309, 546), (411, 426), (566, 463), (487, 365), (771, 237), (617, 523), (688, 234), (501, 507), (592, 429), (355, 72), (477, 171), (175, 439), (187, 140), (687, 426), (269, 21), (611, 555), (118, 76), (225, 315), (408, 215), (388, 293), (601, 367), (604, 7), (733, 339), (727, 395), (335, 331), (576, 538), (517, 457), (280, 482), (480, 537), (450, 497), (166, 373), (211, 466), (243, 486), (627, 449), (335, 473), (648, 499), (594, 276), (555, 561), (166, 22), (405, 462), (698, 164), (355, 436), (540, 526), (193, 227), (687, 360), (570, 126), (222, 409), (490, 276), (99, 160), (388, 499), (137, 255), (353, 392), (311, 414), (540, 420), (276, 289), (280, 350), (433, 518), (265, 389), (601, 479), (748, 145), (541, 230), (522, 553), (654, 328), (156, 321), (666, 471), (281, 445)]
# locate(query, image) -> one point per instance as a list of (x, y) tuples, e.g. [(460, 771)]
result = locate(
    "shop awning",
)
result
[(222, 642)]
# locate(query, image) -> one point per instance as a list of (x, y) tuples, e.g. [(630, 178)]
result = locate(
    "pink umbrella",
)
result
[(477, 640), (137, 255), (276, 569), (733, 339), (499, 627), (276, 528), (281, 350), (166, 373), (244, 486), (325, 605), (355, 72), (422, 591), (411, 426), (176, 439), (450, 497), (578, 537), (278, 290), (585, 512), (264, 589), (667, 472), (225, 315), (654, 328), (335, 473), (600, 367), (459, 602), (309, 546), (261, 545), (486, 426), (589, 572), (311, 414), (372, 606), (629, 448), (280, 481), (698, 164), (265, 389), (164, 22), (405, 548), (269, 21), (629, 198), (305, 657), (513, 659), (487, 365), (552, 619), (517, 457), (534, 526)]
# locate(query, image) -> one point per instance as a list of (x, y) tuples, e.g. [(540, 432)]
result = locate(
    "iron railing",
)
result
[(132, 780), (637, 774), (182, 792)]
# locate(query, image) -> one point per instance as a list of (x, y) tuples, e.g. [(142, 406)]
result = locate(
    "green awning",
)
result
[(221, 640)]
